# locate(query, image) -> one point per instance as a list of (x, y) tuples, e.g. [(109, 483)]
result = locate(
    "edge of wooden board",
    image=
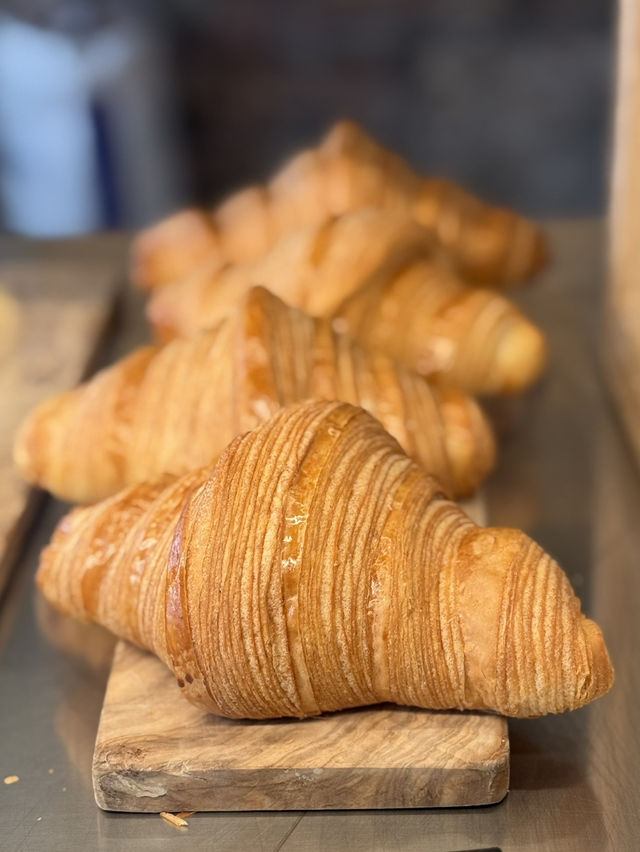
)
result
[(156, 752)]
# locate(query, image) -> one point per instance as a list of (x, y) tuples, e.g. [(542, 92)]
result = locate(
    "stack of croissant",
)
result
[(276, 473)]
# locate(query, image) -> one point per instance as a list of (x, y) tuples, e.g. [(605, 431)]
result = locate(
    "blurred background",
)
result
[(112, 114)]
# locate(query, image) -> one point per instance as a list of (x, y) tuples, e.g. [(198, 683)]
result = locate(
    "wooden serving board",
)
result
[(52, 316), (156, 752)]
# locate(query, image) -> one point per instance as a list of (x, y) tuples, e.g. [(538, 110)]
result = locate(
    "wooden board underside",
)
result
[(59, 311), (156, 752)]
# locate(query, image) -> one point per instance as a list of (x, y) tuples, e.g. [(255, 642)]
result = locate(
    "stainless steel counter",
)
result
[(565, 476)]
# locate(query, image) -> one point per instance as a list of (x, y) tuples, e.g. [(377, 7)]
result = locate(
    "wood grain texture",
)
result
[(622, 328), (156, 752), (58, 312)]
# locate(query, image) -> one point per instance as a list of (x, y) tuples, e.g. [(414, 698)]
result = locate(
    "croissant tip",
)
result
[(469, 439), (343, 134), (529, 258), (161, 317), (171, 249), (520, 357), (601, 676)]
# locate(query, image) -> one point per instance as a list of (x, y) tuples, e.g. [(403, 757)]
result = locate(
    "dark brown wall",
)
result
[(512, 98)]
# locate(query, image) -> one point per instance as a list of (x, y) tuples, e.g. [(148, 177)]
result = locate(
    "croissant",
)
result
[(175, 408), (314, 568), (314, 268), (348, 171), (381, 280)]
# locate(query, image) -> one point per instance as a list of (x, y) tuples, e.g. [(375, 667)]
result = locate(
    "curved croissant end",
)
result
[(170, 250)]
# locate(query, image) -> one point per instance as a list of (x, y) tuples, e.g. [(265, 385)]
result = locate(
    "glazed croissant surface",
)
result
[(347, 171), (383, 281), (176, 408), (315, 567)]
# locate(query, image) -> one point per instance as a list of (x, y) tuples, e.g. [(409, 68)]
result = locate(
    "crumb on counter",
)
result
[(173, 819), (11, 779)]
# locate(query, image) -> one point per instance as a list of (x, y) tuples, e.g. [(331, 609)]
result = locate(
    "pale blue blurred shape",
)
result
[(48, 172)]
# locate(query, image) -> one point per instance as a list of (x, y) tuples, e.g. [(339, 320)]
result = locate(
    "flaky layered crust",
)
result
[(315, 567), (175, 408)]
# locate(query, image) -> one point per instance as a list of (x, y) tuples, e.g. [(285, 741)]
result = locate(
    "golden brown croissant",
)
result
[(382, 281), (314, 268), (464, 337), (176, 408), (348, 171), (315, 568)]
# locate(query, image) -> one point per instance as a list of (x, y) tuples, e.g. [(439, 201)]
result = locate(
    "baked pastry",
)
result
[(314, 568), (176, 408), (347, 171), (314, 268), (384, 283)]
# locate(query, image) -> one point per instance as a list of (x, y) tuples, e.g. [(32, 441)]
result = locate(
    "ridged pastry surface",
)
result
[(175, 408), (315, 567)]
